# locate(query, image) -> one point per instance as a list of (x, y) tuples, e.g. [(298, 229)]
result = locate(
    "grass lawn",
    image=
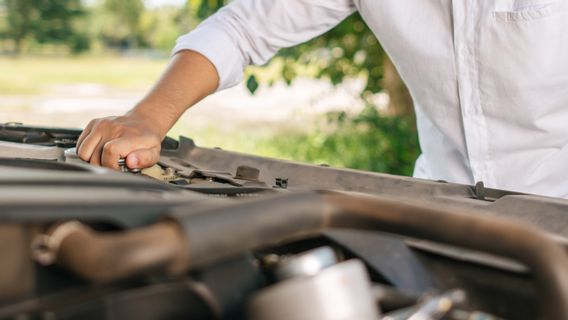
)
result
[(34, 75), (370, 142), (255, 140), (38, 76)]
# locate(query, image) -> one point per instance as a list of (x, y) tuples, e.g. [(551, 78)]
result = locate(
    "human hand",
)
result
[(135, 137)]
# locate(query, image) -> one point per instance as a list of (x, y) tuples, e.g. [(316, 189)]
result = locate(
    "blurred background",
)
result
[(336, 100)]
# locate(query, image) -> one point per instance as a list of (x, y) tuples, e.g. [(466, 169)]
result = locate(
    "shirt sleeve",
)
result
[(251, 31)]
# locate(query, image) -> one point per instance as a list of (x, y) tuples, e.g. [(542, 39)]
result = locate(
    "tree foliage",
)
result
[(369, 140), (366, 141), (44, 21), (372, 140), (349, 50), (118, 23)]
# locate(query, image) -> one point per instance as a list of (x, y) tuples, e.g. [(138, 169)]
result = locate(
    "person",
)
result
[(489, 80)]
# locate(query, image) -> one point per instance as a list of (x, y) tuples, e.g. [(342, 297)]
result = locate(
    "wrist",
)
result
[(152, 117)]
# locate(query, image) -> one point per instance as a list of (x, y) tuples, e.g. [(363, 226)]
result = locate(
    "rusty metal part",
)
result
[(16, 269), (295, 216), (46, 246), (213, 235), (104, 257), (157, 172)]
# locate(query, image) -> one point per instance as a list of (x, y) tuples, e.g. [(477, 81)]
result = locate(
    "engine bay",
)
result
[(213, 234)]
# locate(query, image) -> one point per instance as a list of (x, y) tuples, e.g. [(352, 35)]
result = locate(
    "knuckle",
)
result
[(110, 148), (83, 155), (118, 129), (91, 123), (97, 124), (106, 120), (102, 123)]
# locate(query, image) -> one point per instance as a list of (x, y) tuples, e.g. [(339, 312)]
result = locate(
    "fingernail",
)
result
[(133, 161)]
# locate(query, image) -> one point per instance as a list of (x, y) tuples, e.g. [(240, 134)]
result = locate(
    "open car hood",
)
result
[(214, 234)]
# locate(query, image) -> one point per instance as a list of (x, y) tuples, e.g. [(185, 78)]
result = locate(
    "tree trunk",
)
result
[(18, 22), (18, 46), (400, 101)]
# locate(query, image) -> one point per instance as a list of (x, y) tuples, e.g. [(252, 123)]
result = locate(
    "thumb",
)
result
[(143, 158)]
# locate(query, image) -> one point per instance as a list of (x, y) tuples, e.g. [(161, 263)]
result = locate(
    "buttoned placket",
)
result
[(466, 30)]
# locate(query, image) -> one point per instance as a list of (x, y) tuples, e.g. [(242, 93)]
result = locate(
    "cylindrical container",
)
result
[(339, 292)]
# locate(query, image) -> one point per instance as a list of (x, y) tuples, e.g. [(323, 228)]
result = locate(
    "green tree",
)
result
[(121, 22), (18, 17), (385, 142), (43, 21), (204, 8), (56, 23), (348, 50), (366, 141)]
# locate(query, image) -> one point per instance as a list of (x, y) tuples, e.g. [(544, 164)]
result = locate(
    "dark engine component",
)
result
[(210, 234)]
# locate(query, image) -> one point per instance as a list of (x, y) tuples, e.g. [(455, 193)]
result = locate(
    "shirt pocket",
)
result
[(527, 10), (522, 64)]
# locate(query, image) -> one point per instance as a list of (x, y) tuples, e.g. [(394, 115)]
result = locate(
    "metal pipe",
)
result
[(546, 259), (219, 233), (273, 221), (106, 257)]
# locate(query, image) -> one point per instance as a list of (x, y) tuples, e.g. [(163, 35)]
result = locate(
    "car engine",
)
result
[(213, 234)]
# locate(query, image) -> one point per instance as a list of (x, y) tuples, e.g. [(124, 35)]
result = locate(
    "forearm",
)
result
[(188, 78), (245, 32), (136, 136)]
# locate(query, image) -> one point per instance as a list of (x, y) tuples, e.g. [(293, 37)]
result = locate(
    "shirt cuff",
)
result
[(219, 48)]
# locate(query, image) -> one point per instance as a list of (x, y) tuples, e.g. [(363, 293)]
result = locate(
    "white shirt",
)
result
[(489, 78)]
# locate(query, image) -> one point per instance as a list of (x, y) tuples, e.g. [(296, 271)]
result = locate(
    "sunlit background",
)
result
[(335, 100)]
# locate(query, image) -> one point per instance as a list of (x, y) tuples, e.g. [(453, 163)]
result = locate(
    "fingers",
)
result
[(88, 146), (104, 141), (96, 156), (143, 158), (85, 133), (139, 151), (112, 152)]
